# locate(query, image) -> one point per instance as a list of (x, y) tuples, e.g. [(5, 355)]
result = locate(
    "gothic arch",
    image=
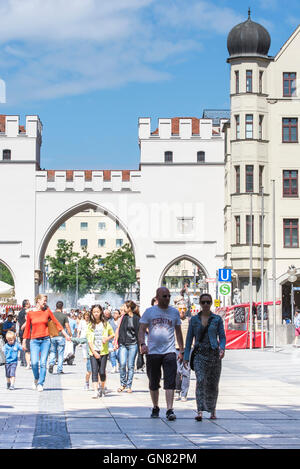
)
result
[(180, 258), (68, 214)]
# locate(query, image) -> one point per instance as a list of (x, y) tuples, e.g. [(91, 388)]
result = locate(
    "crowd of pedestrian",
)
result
[(162, 337)]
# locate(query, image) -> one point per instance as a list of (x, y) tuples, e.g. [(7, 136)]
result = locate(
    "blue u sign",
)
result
[(224, 275)]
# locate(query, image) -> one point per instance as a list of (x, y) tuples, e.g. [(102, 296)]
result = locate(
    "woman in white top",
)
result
[(81, 333)]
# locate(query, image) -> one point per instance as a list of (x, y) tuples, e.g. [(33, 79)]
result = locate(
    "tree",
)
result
[(5, 275), (118, 271), (63, 269)]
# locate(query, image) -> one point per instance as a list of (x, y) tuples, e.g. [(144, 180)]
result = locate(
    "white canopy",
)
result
[(6, 289)]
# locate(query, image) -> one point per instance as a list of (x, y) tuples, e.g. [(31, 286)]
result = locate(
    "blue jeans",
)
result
[(39, 350), (127, 355), (57, 345)]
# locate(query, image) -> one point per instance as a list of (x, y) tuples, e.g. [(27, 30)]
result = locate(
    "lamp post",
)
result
[(262, 267), (251, 272), (274, 267), (76, 304)]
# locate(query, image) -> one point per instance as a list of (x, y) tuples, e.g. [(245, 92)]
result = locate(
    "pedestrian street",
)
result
[(258, 407)]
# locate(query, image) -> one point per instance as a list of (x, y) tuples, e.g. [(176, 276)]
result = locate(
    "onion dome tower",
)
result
[(248, 39)]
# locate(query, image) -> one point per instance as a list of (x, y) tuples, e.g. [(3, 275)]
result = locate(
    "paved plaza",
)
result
[(258, 407)]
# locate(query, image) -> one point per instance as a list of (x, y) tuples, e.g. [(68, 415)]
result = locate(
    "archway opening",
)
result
[(88, 258), (185, 277), (7, 286)]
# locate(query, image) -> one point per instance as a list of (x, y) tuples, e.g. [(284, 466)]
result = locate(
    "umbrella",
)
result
[(6, 289)]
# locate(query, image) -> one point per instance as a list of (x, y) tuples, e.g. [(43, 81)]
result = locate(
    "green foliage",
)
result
[(5, 275), (118, 270), (63, 266), (115, 272)]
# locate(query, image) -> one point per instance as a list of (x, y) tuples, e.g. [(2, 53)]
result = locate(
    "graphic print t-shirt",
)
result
[(161, 324), (98, 336)]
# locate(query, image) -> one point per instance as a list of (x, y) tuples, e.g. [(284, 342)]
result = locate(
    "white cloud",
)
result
[(53, 48)]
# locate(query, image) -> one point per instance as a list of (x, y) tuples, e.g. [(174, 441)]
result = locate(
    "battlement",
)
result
[(182, 128), (10, 126), (84, 180)]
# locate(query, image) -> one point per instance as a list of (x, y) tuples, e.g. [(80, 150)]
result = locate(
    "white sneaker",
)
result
[(177, 396), (95, 395), (113, 370), (27, 367), (184, 399), (40, 387), (34, 384)]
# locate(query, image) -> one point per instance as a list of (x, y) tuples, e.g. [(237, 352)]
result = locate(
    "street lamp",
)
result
[(76, 283)]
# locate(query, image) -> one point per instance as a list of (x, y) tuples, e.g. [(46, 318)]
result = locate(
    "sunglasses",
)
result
[(206, 302)]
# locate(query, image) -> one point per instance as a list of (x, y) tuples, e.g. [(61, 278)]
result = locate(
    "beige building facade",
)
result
[(262, 146), (92, 229)]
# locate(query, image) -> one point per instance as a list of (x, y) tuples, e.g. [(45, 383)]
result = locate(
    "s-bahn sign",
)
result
[(224, 289)]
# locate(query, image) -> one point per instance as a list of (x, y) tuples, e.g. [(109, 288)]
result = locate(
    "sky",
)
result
[(91, 68)]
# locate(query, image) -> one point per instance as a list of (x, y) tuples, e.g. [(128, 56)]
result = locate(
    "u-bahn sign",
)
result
[(224, 275)]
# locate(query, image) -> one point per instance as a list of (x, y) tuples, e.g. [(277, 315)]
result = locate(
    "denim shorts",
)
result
[(88, 365), (10, 369)]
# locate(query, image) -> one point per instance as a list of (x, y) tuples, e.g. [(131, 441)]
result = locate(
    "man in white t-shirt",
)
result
[(161, 321)]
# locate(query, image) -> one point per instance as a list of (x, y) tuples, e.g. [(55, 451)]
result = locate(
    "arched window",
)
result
[(168, 156), (6, 154), (200, 156)]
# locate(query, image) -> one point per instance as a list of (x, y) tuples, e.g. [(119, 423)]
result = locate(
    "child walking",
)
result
[(11, 349)]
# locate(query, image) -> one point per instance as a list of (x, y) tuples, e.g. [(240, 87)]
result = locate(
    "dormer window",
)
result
[(168, 157), (6, 154), (200, 156)]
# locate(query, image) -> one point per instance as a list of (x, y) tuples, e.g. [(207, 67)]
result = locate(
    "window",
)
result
[(261, 171), (185, 225), (290, 233), (260, 82), (238, 230), (260, 225), (101, 225), (290, 183), (248, 228), (168, 156), (289, 84), (118, 225), (237, 179), (237, 81), (119, 243), (290, 130), (83, 243), (101, 243), (260, 127), (200, 156), (6, 154), (84, 225), (237, 127), (249, 178), (249, 125), (62, 226), (249, 81)]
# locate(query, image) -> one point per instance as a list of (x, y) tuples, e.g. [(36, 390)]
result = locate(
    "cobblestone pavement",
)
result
[(258, 407)]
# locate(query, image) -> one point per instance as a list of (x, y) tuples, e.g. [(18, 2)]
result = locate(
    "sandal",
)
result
[(213, 417), (129, 390), (121, 388)]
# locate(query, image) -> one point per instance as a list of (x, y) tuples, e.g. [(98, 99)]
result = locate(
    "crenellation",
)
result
[(185, 128), (80, 180)]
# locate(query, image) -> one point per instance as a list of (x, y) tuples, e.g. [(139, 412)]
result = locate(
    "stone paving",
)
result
[(258, 407)]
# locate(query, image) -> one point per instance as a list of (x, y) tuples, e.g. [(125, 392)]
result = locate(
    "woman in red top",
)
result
[(36, 329)]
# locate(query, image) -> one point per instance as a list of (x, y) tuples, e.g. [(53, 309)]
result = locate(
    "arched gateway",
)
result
[(168, 209)]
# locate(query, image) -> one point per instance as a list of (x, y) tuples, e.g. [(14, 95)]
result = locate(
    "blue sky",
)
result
[(91, 68)]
